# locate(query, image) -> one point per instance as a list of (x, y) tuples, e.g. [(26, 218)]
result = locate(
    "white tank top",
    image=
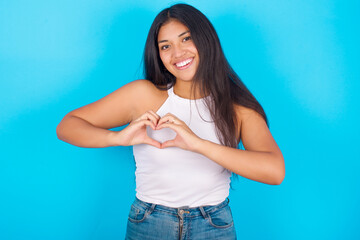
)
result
[(175, 177)]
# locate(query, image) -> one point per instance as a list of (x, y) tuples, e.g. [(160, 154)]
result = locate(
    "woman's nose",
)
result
[(178, 51)]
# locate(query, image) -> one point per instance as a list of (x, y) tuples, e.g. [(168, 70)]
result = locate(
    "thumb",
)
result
[(152, 142), (169, 143)]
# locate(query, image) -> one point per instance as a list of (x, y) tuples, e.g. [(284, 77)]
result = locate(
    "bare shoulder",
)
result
[(254, 132), (143, 86), (146, 96), (123, 105), (244, 113), (140, 84), (249, 123)]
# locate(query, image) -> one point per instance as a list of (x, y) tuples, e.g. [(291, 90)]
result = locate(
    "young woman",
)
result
[(185, 123)]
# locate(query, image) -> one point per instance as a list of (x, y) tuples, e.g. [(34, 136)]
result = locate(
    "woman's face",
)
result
[(177, 50)]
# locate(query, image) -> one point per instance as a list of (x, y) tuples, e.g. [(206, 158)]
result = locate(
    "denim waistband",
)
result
[(202, 210)]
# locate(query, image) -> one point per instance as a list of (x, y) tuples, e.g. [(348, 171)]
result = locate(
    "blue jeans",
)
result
[(156, 222)]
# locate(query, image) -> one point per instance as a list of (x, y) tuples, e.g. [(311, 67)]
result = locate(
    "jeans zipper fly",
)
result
[(181, 223)]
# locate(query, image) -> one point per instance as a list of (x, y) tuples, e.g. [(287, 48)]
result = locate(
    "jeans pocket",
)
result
[(138, 213), (221, 218)]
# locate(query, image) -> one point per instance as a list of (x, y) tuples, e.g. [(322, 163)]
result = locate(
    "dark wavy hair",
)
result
[(214, 75)]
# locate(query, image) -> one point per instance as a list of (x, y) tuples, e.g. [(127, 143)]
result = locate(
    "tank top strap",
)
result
[(171, 91), (184, 100)]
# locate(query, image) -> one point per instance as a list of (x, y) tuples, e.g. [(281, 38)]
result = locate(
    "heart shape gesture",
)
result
[(135, 132)]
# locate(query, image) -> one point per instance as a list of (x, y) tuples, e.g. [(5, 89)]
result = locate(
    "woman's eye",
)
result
[(187, 38), (164, 47)]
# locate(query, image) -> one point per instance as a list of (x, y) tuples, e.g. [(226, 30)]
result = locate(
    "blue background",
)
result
[(300, 59)]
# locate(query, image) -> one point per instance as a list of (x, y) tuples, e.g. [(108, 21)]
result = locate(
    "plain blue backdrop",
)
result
[(299, 58)]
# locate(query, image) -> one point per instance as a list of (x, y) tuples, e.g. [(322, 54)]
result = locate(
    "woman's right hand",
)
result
[(135, 132)]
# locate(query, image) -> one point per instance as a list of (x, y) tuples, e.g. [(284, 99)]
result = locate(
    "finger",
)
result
[(152, 142), (168, 118), (153, 118), (167, 125), (169, 114), (155, 115), (169, 143), (144, 116), (145, 122), (148, 116)]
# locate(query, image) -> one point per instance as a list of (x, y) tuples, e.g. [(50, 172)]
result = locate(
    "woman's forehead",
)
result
[(171, 29)]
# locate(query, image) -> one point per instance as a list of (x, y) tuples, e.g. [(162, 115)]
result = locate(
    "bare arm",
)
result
[(88, 126), (262, 160), (79, 132), (265, 167)]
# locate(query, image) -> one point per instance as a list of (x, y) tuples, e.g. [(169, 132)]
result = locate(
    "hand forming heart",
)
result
[(136, 133)]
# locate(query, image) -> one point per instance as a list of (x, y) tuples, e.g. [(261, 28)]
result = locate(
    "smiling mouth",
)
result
[(184, 64)]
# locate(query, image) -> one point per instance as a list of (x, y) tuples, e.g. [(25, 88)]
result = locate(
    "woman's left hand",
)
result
[(185, 138)]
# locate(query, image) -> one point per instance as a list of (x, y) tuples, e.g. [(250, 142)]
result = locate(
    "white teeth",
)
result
[(183, 63)]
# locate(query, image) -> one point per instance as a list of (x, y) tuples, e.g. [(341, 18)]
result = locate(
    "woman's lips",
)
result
[(184, 64)]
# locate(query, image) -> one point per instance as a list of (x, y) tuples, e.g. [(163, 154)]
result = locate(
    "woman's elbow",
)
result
[(62, 126), (59, 131), (279, 178), (279, 172)]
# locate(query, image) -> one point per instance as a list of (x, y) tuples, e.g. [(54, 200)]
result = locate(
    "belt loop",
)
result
[(203, 213), (151, 208)]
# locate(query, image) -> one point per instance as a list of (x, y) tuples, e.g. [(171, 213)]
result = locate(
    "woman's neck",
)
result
[(185, 89)]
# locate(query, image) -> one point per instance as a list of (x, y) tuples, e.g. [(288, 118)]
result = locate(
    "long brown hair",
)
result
[(214, 75)]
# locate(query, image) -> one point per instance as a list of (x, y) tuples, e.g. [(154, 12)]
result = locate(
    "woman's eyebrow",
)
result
[(181, 34)]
